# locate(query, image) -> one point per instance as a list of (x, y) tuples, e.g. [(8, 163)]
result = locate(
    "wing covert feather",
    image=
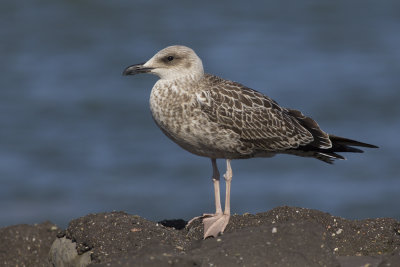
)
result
[(258, 119)]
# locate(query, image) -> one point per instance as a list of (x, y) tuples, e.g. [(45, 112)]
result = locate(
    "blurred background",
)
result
[(76, 137)]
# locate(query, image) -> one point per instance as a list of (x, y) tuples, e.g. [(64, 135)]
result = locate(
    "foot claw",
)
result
[(205, 215)]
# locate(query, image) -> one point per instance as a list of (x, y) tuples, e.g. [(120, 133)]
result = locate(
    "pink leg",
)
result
[(216, 223), (215, 178), (228, 179), (217, 195)]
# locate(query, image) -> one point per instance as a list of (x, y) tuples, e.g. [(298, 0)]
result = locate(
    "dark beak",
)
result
[(136, 69)]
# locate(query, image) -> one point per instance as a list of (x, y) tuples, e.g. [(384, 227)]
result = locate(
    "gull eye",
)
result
[(170, 58)]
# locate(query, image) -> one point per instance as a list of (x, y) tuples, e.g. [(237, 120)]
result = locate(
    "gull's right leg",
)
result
[(217, 195), (215, 178)]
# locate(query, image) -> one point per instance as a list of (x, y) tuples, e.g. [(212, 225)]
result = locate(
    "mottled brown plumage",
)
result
[(217, 118), (265, 127)]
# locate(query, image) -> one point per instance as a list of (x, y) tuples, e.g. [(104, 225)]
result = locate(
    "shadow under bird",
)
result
[(222, 119)]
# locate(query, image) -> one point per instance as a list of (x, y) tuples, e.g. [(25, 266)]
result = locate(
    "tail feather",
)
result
[(348, 142), (328, 157), (339, 144), (324, 146)]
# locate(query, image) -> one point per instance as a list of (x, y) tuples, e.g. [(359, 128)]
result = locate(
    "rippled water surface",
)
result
[(76, 137)]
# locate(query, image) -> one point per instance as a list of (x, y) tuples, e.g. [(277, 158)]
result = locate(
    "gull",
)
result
[(221, 119)]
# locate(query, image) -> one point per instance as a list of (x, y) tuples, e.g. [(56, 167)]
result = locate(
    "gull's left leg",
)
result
[(228, 178), (216, 223)]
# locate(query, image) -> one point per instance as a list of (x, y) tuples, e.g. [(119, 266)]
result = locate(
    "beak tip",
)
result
[(136, 69), (131, 70), (126, 72)]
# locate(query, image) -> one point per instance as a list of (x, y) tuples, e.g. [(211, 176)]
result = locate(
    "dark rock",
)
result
[(284, 236), (288, 243), (26, 245), (362, 261), (116, 235), (392, 260)]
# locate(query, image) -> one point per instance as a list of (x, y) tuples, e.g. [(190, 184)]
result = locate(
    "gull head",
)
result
[(170, 63)]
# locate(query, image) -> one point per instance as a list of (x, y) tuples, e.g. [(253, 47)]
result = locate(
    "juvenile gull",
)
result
[(217, 118)]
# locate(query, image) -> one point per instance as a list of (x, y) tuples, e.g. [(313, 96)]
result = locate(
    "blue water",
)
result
[(76, 137)]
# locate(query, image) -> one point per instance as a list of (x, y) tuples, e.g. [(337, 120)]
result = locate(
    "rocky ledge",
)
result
[(284, 236)]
